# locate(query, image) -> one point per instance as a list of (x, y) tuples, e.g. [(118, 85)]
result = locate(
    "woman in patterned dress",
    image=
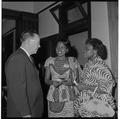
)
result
[(63, 71), (96, 83)]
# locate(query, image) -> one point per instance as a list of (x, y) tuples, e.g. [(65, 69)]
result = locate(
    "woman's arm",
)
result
[(77, 76), (91, 88), (105, 82), (68, 83), (47, 76)]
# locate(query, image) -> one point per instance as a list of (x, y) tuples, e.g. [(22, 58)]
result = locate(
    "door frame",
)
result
[(19, 18)]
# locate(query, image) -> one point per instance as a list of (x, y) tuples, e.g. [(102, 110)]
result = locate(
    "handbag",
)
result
[(99, 106)]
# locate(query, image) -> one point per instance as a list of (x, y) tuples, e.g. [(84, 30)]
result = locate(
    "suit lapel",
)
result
[(29, 58)]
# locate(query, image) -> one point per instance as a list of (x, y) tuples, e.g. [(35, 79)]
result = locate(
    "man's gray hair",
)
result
[(27, 34)]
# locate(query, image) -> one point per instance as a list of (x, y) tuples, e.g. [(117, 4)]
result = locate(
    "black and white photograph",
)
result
[(59, 59)]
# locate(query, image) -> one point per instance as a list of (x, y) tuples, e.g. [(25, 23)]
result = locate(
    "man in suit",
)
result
[(24, 92)]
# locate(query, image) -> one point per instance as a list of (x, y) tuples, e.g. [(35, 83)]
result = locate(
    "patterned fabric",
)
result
[(95, 73), (67, 110), (61, 98)]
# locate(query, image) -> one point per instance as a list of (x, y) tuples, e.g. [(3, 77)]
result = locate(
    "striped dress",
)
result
[(95, 73)]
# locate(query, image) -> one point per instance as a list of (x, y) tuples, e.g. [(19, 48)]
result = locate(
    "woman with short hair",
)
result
[(95, 98)]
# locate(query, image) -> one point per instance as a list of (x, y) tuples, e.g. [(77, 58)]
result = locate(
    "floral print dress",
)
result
[(60, 100)]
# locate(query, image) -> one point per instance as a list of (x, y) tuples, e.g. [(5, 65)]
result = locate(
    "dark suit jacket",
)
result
[(25, 95)]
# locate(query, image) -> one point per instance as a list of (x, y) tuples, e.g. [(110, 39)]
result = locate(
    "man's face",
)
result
[(34, 43)]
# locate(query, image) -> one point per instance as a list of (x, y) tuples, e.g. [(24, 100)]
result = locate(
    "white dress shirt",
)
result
[(27, 53)]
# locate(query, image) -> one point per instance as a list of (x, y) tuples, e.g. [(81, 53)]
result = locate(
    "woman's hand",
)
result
[(56, 83), (27, 116), (80, 87), (67, 83), (101, 91)]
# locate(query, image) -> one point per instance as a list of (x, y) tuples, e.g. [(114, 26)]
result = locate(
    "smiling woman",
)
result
[(62, 91)]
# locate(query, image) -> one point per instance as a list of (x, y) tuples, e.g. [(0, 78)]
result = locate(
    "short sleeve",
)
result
[(74, 62), (48, 61)]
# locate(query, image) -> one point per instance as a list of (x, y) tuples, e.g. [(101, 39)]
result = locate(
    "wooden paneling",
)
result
[(24, 21)]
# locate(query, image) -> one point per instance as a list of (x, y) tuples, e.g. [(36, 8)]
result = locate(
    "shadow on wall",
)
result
[(72, 52)]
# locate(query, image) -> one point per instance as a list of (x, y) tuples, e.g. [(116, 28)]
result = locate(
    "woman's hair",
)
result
[(72, 51), (98, 46)]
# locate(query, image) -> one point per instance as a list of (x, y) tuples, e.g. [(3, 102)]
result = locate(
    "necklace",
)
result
[(60, 61), (59, 64)]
